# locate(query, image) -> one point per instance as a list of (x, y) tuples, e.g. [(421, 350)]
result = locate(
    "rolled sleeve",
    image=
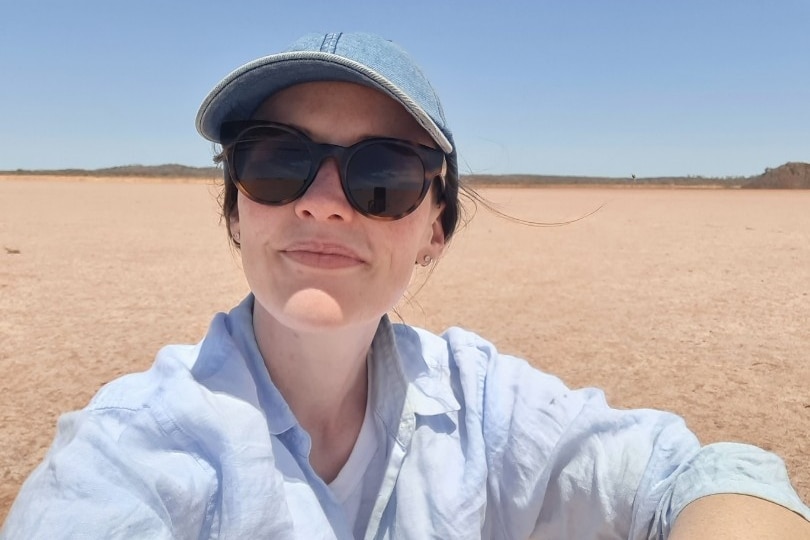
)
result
[(721, 468)]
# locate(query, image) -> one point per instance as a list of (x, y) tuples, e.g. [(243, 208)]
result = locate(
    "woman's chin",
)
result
[(317, 310)]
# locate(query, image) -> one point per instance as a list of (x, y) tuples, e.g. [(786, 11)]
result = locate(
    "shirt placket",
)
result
[(399, 449)]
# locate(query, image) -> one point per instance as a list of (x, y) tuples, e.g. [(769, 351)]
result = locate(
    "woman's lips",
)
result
[(328, 256)]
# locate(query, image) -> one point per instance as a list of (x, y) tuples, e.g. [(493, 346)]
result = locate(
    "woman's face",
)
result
[(316, 263)]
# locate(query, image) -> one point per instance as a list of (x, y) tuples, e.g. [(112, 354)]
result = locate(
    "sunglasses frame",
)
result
[(434, 162)]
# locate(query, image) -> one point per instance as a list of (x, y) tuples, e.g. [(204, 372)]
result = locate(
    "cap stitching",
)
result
[(330, 41)]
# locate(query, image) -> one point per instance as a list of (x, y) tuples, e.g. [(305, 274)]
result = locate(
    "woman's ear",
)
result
[(437, 238), (233, 226)]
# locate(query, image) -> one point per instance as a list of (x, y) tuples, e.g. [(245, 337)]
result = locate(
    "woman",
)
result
[(304, 413)]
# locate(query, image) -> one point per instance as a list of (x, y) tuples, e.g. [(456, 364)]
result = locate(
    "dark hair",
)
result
[(227, 195), (451, 214)]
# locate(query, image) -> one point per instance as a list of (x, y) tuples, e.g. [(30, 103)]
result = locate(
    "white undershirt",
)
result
[(348, 484)]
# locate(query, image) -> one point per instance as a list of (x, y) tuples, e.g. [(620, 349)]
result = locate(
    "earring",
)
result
[(235, 237), (426, 260)]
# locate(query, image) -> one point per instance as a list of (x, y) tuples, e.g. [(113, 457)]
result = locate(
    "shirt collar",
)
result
[(406, 366), (280, 417), (413, 364)]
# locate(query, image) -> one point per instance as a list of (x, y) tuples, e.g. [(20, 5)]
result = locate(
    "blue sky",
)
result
[(689, 87)]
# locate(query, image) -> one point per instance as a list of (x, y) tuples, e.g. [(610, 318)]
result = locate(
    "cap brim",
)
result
[(239, 94)]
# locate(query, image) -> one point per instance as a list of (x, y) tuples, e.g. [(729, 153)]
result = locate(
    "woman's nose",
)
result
[(324, 199)]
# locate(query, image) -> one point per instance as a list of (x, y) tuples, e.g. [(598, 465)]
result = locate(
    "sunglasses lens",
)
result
[(386, 180), (271, 165)]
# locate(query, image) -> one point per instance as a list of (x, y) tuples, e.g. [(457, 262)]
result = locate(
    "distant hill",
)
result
[(170, 170), (793, 175), (549, 180)]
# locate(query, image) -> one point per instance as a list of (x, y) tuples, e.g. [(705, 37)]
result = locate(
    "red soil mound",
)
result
[(793, 175)]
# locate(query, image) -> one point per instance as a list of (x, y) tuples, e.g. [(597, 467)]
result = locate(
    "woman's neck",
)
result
[(323, 376)]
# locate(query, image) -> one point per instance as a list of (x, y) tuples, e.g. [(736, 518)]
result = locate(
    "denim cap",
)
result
[(359, 58)]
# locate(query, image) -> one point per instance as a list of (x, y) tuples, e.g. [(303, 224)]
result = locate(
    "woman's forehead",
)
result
[(338, 102), (321, 94)]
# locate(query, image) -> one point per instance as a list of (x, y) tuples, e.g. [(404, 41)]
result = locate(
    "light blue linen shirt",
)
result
[(475, 445)]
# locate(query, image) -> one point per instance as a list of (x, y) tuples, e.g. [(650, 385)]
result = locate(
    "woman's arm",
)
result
[(738, 517), (609, 473)]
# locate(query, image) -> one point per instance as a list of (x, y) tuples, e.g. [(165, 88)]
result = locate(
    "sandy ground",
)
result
[(695, 301)]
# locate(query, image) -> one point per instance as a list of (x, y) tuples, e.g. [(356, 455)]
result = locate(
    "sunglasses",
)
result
[(382, 178)]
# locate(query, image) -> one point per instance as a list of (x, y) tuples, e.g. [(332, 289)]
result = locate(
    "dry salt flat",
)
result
[(690, 300)]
